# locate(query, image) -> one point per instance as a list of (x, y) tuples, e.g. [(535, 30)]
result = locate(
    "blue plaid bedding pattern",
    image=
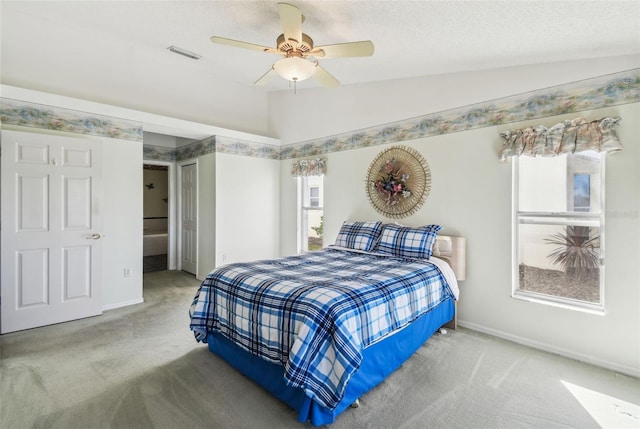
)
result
[(408, 242), (314, 313), (359, 235)]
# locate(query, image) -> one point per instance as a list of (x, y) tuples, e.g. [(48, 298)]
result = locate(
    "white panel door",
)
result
[(189, 221), (51, 225)]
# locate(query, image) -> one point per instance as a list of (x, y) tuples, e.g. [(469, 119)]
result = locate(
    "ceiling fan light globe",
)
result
[(294, 68)]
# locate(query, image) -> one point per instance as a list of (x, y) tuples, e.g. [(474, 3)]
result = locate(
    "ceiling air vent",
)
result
[(184, 52)]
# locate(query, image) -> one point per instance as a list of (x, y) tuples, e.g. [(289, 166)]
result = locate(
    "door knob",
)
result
[(94, 236)]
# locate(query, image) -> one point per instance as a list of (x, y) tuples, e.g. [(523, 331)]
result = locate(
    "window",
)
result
[(581, 192), (314, 196), (311, 224), (558, 229)]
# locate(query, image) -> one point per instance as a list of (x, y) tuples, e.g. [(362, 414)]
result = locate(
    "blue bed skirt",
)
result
[(379, 360)]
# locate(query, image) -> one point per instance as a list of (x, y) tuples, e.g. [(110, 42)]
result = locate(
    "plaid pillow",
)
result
[(408, 242), (359, 235)]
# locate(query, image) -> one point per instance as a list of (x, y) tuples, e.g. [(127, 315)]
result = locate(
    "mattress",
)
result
[(314, 315)]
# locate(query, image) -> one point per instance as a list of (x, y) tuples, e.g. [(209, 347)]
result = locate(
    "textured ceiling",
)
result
[(115, 51)]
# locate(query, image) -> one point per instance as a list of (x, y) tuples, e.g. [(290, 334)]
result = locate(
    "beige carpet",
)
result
[(139, 367)]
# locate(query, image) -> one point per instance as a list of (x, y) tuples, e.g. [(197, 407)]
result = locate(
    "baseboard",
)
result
[(122, 304), (622, 369)]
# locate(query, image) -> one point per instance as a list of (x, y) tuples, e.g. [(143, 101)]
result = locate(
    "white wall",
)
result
[(206, 215), (123, 217), (163, 140), (314, 113), (247, 208), (122, 222), (123, 208), (471, 196), (154, 196), (238, 207)]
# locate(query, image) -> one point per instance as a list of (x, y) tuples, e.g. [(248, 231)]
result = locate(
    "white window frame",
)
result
[(556, 218), (304, 205)]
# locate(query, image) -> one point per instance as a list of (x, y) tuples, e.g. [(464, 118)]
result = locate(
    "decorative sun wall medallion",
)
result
[(398, 182)]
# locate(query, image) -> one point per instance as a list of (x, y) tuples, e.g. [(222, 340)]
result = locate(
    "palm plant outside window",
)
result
[(558, 229), (558, 210)]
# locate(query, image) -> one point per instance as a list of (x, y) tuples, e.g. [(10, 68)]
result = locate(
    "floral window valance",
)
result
[(309, 167), (576, 135)]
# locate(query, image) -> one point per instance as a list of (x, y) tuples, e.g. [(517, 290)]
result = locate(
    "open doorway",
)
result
[(158, 225)]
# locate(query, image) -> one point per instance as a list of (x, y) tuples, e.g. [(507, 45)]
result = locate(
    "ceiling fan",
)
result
[(296, 47)]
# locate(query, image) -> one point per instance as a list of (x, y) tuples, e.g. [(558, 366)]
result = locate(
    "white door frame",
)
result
[(172, 220), (179, 166)]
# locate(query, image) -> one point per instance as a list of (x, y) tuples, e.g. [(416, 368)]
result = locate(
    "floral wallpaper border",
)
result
[(603, 91), (212, 144), (595, 93), (240, 147), (196, 149), (25, 114), (158, 153)]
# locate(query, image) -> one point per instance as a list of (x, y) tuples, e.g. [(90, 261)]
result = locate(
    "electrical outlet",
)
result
[(127, 271), (224, 258)]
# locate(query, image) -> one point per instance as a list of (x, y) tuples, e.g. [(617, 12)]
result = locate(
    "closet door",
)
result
[(189, 217), (51, 229)]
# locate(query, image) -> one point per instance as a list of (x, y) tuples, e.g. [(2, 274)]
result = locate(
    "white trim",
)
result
[(515, 198), (122, 304), (199, 219), (559, 302), (179, 166), (603, 210), (553, 218), (592, 360), (299, 225)]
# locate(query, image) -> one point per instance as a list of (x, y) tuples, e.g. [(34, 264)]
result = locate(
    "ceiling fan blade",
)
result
[(291, 18), (266, 78), (244, 45), (352, 49), (324, 77)]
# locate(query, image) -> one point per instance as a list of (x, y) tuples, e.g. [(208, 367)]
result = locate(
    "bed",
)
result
[(320, 329)]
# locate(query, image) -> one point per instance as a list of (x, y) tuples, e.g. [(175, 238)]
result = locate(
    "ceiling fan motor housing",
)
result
[(292, 48), (296, 66)]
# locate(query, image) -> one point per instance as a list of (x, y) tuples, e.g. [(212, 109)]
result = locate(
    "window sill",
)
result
[(566, 304)]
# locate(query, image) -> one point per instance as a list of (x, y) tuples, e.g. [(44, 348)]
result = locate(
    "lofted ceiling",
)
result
[(115, 52)]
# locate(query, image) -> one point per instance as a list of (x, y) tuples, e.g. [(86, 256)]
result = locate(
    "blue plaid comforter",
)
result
[(315, 313)]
